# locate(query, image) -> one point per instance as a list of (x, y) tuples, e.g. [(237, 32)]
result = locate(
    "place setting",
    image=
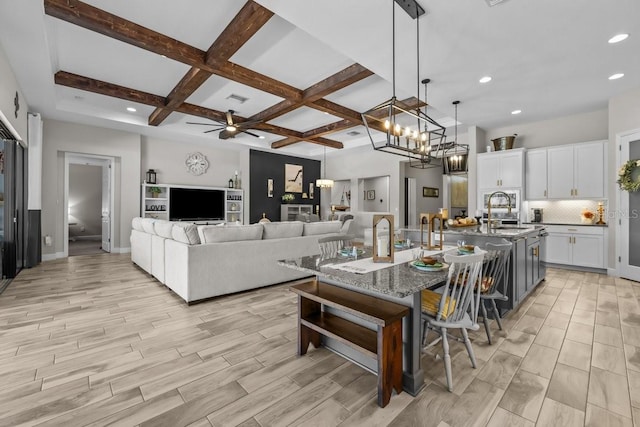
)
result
[(428, 263)]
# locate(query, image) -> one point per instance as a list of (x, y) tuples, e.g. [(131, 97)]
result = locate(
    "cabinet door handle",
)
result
[(570, 238), (545, 193), (576, 191), (497, 183)]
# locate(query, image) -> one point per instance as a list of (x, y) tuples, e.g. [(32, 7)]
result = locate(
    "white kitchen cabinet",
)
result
[(536, 174), (501, 169), (576, 171), (581, 246)]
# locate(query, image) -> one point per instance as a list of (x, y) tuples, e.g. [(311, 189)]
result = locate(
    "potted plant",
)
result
[(155, 191), (288, 198)]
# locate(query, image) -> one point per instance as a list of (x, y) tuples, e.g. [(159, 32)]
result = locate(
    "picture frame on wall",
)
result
[(270, 187), (370, 195), (311, 188), (430, 192), (292, 178)]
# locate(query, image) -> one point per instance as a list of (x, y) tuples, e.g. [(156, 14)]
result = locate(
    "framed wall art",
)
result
[(292, 178), (311, 188), (270, 187), (430, 192)]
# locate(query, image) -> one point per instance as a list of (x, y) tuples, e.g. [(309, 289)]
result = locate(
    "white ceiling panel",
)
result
[(304, 119), (216, 91), (195, 22), (89, 54), (286, 53)]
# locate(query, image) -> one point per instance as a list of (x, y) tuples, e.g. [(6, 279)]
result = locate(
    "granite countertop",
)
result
[(572, 224), (508, 233), (396, 280)]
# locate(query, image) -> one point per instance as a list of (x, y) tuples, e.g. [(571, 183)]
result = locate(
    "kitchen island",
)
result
[(526, 267), (397, 282)]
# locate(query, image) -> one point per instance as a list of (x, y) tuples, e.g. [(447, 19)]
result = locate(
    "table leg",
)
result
[(413, 376)]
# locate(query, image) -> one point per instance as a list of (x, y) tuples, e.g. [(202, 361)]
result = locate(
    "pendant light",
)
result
[(324, 182), (456, 154), (405, 131)]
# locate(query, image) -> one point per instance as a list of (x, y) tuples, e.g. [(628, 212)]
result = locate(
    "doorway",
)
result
[(88, 204), (629, 213)]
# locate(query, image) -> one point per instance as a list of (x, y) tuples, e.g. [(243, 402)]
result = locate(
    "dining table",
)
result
[(399, 281)]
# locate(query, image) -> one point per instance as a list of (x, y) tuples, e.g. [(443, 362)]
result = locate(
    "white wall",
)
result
[(624, 116), (60, 137), (426, 178), (85, 200), (563, 130), (8, 88)]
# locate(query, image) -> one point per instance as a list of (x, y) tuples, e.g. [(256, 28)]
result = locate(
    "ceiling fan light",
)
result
[(231, 128)]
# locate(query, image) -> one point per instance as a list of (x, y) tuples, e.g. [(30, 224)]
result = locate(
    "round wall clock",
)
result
[(196, 163)]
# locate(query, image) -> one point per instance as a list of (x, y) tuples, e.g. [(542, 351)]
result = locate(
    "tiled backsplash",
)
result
[(562, 211)]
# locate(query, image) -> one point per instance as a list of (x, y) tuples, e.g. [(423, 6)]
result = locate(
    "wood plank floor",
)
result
[(93, 340)]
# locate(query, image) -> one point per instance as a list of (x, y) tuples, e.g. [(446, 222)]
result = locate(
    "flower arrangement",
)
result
[(288, 198), (625, 176), (587, 216)]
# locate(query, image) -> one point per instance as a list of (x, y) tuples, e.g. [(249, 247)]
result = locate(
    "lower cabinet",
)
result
[(580, 246)]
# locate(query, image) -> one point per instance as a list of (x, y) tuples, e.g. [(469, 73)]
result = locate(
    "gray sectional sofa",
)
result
[(203, 261)]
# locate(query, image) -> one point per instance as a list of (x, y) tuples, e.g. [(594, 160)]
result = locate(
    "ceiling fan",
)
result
[(229, 129)]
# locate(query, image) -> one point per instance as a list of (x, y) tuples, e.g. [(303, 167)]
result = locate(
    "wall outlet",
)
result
[(82, 228), (47, 240)]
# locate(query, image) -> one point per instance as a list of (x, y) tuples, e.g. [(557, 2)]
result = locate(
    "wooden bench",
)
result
[(383, 344)]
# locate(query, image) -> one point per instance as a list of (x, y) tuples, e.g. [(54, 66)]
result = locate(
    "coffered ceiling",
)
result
[(308, 68)]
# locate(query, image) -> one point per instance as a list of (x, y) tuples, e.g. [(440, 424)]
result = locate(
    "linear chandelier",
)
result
[(324, 182), (411, 134)]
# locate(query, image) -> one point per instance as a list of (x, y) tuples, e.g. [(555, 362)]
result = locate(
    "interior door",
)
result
[(629, 220), (106, 209)]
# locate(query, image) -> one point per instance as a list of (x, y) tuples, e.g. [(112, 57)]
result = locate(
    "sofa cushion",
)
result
[(185, 233), (231, 233), (136, 223), (147, 225), (279, 230), (163, 228), (322, 227)]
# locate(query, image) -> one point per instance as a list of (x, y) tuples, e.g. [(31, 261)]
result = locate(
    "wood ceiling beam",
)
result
[(100, 21), (189, 83), (330, 128), (75, 81), (242, 27), (345, 113), (334, 83)]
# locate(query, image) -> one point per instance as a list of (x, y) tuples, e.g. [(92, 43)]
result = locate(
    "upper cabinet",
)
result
[(501, 169), (575, 171), (536, 174)]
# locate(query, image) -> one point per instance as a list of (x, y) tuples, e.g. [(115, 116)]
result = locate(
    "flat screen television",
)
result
[(194, 204)]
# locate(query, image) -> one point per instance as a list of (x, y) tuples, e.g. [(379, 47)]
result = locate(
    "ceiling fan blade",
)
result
[(250, 133), (211, 130), (204, 124)]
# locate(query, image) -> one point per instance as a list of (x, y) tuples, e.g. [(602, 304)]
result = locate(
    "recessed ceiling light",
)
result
[(516, 112), (485, 79), (618, 38), (616, 76), (131, 109)]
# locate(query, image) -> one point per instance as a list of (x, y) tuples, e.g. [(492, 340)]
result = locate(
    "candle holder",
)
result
[(600, 211)]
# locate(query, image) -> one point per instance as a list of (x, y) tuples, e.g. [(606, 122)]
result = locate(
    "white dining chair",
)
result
[(492, 285), (329, 246), (454, 305)]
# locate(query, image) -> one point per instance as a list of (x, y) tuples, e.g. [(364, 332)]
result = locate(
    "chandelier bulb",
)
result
[(387, 125), (397, 128)]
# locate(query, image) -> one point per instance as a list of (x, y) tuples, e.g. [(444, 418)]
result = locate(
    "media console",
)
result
[(202, 205)]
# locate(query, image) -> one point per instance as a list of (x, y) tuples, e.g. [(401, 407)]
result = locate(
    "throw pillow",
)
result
[(231, 233), (326, 227), (185, 233)]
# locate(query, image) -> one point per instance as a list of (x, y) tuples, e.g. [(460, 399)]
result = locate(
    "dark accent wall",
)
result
[(263, 166)]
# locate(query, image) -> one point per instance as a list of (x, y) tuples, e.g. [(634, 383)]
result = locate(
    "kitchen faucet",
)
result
[(489, 207)]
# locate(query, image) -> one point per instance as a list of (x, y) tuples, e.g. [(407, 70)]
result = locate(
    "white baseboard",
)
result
[(51, 257), (121, 250), (612, 272)]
